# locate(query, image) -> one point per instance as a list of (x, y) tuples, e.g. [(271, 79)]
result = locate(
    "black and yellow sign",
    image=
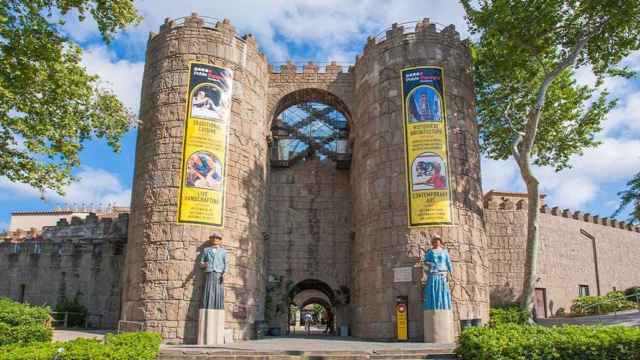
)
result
[(425, 130), (402, 324), (204, 152)]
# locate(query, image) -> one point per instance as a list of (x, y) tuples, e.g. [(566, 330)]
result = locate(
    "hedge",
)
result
[(525, 342), (508, 315), (23, 324), (139, 346), (24, 334), (14, 314), (613, 301)]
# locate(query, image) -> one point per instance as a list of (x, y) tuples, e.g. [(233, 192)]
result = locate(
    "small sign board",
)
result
[(402, 274)]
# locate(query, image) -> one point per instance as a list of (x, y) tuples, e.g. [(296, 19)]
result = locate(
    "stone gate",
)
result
[(328, 224)]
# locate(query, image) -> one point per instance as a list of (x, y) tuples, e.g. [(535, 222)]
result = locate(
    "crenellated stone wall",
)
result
[(575, 249), (83, 258)]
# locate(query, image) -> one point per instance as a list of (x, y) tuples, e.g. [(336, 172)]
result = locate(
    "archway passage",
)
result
[(312, 309), (308, 206)]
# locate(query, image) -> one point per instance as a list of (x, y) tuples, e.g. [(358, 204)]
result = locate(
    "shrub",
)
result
[(508, 315), (14, 314), (635, 290), (77, 311), (536, 342), (23, 324), (139, 346), (24, 334), (613, 301)]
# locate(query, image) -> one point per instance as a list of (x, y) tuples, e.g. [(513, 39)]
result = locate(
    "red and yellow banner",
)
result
[(204, 152), (426, 149)]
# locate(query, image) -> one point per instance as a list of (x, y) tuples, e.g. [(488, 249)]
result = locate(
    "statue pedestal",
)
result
[(211, 327), (438, 326)]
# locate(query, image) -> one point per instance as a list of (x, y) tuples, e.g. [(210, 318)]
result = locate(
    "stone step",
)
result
[(203, 354)]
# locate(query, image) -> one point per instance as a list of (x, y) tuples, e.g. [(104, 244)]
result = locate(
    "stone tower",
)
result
[(383, 240), (161, 279)]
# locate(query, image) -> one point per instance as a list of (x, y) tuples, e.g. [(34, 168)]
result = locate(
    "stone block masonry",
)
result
[(576, 250), (313, 229), (162, 283), (82, 259)]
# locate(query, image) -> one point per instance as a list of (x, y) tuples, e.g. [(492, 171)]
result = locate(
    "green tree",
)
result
[(529, 104), (630, 196), (49, 105)]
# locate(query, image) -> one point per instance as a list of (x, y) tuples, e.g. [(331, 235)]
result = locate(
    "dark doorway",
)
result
[(540, 303), (23, 290)]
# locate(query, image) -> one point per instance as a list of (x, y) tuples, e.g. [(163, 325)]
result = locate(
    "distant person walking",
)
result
[(307, 323), (329, 319)]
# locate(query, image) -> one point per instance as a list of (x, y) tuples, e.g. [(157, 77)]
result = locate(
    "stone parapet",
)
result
[(506, 203), (82, 259)]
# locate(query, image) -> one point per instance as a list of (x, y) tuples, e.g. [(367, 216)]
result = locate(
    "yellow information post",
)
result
[(402, 323), (426, 148), (204, 152)]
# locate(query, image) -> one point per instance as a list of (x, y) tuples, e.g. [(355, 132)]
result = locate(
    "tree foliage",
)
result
[(49, 105), (630, 196), (529, 104), (521, 44)]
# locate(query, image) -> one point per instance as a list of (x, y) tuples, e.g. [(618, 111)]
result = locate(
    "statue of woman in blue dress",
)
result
[(437, 295)]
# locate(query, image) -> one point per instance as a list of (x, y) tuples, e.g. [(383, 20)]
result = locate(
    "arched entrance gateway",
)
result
[(308, 208), (314, 201)]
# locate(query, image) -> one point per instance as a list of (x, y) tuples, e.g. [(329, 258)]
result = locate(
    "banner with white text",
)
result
[(205, 145), (426, 148)]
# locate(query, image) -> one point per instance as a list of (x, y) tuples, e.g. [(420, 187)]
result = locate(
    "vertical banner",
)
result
[(425, 132), (204, 152)]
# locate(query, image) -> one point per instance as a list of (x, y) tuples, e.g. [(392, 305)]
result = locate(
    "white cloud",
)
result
[(121, 76), (94, 186), (614, 161), (328, 27)]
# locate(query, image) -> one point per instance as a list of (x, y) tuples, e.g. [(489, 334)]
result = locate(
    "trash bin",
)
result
[(261, 329), (275, 331), (344, 330), (467, 323)]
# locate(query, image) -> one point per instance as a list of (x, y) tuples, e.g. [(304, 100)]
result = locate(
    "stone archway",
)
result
[(310, 292), (308, 200)]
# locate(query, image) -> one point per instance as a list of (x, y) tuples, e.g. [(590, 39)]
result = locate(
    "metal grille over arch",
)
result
[(308, 123)]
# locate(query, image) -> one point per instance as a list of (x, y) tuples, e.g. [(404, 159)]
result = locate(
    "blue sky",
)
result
[(304, 30)]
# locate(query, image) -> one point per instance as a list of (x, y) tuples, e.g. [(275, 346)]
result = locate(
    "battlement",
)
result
[(518, 202), (310, 67), (91, 219), (410, 31), (196, 21)]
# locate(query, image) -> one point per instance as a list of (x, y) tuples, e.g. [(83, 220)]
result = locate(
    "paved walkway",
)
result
[(625, 318), (315, 343)]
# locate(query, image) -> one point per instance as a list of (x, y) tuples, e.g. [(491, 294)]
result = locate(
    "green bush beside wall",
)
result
[(527, 342), (613, 301), (138, 346), (508, 315)]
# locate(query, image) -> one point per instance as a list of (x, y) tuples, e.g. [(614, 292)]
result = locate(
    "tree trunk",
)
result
[(533, 237)]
